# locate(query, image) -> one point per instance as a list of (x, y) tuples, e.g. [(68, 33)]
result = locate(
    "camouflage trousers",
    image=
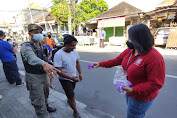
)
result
[(38, 87)]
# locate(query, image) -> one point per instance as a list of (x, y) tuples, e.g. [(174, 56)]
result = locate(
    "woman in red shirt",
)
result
[(145, 69)]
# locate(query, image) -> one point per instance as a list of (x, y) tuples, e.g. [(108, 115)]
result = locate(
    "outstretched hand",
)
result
[(50, 70), (95, 65)]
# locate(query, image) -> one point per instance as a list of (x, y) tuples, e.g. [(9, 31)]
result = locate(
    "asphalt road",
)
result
[(98, 92)]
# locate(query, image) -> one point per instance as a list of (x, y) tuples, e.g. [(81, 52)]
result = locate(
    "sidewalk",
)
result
[(113, 48), (16, 104)]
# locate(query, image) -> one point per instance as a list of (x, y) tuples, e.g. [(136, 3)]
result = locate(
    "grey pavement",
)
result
[(16, 103), (115, 48)]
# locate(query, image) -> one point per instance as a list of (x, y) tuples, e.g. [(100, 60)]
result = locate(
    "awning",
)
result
[(91, 26)]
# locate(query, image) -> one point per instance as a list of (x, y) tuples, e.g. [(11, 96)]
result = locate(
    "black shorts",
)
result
[(68, 87)]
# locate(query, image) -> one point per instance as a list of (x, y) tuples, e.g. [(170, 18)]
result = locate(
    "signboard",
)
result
[(111, 22)]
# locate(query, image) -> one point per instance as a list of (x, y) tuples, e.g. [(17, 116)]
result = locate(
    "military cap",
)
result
[(32, 27), (49, 33)]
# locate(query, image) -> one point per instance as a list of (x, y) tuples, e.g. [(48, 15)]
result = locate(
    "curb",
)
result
[(63, 98)]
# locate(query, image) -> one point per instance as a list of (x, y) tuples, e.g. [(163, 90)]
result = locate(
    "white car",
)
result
[(161, 35)]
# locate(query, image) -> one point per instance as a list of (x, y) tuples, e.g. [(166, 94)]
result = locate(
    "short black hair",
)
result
[(68, 39), (2, 33), (8, 39), (141, 38)]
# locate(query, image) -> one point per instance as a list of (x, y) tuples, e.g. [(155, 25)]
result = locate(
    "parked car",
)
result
[(161, 35)]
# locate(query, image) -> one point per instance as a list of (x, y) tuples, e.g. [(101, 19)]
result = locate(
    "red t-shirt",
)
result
[(146, 72)]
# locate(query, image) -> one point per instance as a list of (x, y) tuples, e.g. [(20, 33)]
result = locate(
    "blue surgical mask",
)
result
[(38, 37), (10, 42)]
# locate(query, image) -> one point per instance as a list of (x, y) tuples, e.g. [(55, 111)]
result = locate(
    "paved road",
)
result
[(97, 90)]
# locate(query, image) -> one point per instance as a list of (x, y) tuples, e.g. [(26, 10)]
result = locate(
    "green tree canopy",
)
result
[(87, 9), (60, 10), (91, 8)]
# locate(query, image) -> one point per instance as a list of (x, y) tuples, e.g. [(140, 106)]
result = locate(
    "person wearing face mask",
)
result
[(11, 43), (14, 54), (50, 40), (35, 61), (8, 60), (145, 69)]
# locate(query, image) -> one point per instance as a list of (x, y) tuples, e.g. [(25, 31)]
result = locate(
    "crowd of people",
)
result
[(143, 64)]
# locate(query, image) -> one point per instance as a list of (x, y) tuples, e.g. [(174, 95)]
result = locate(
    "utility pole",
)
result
[(30, 12), (69, 18), (44, 19)]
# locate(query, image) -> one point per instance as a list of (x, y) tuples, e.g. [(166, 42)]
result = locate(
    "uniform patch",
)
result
[(33, 27), (28, 48)]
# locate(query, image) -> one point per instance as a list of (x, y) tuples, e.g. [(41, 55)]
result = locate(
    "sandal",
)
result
[(76, 115), (52, 86)]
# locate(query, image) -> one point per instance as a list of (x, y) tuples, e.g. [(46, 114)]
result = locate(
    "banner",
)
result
[(112, 22)]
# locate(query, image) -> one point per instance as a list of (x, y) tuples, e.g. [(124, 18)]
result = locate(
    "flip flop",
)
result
[(52, 86), (76, 115)]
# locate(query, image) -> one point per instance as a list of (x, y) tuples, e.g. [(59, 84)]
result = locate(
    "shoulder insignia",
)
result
[(28, 48)]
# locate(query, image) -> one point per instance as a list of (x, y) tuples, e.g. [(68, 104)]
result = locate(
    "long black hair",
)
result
[(141, 38)]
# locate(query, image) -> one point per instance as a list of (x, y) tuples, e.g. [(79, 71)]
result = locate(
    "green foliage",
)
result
[(75, 14), (60, 11), (91, 8), (87, 9)]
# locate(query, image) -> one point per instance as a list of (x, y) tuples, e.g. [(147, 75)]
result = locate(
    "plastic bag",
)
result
[(90, 65), (120, 80)]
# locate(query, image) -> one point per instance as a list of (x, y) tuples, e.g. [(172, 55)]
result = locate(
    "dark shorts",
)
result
[(68, 87)]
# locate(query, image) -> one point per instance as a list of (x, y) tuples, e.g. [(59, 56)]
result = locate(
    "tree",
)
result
[(91, 8), (60, 11), (76, 15), (87, 9)]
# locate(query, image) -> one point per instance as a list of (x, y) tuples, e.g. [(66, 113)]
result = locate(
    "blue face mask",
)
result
[(38, 37), (10, 42)]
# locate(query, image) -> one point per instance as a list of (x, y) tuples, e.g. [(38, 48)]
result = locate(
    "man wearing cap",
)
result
[(9, 64), (50, 40), (37, 68)]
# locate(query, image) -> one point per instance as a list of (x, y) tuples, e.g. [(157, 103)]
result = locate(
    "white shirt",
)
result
[(67, 62), (102, 34)]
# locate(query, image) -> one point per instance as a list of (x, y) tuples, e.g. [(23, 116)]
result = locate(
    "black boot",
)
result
[(51, 109)]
